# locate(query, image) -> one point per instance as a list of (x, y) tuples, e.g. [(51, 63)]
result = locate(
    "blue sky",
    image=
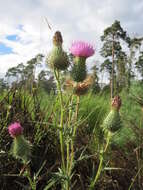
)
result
[(5, 49), (12, 37), (24, 31)]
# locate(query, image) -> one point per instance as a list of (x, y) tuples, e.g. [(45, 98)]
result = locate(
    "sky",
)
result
[(24, 31)]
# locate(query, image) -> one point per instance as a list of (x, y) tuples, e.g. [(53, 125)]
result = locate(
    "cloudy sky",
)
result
[(24, 31)]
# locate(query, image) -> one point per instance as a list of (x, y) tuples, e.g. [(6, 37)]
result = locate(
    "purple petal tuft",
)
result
[(82, 49), (15, 129)]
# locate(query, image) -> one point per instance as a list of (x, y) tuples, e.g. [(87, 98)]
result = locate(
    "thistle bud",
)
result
[(113, 121), (21, 148), (116, 102), (58, 58), (57, 39)]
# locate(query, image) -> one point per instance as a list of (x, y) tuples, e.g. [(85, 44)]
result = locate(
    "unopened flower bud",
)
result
[(113, 120), (58, 58)]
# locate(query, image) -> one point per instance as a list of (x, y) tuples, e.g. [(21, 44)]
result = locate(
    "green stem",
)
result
[(92, 185), (101, 158), (134, 178), (107, 140), (68, 143), (31, 182), (74, 132), (56, 73), (69, 122)]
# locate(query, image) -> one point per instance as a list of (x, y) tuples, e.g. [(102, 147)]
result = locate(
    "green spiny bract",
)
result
[(113, 120), (78, 72), (21, 149), (58, 58)]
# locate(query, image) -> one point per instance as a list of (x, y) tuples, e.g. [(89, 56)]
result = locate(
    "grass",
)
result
[(39, 115)]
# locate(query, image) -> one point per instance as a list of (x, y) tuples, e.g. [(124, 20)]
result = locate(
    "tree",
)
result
[(139, 64), (95, 86), (12, 74), (46, 81), (3, 85), (121, 70), (134, 45), (111, 51), (24, 74)]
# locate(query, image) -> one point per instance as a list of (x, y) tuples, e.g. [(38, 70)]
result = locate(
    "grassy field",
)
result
[(39, 114)]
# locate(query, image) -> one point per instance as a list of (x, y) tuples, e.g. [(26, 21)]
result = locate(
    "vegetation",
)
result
[(77, 134)]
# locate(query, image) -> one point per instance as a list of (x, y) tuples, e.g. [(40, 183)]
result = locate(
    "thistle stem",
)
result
[(101, 159), (74, 132), (31, 181), (69, 122), (68, 143), (56, 73)]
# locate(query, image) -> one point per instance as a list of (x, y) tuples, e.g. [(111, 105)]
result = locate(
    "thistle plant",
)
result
[(59, 61), (111, 124), (21, 148), (81, 51)]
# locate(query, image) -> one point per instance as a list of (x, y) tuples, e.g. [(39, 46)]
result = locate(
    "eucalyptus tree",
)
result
[(12, 74), (29, 71), (24, 73)]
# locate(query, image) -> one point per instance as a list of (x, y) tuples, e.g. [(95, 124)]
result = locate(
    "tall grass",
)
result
[(39, 115)]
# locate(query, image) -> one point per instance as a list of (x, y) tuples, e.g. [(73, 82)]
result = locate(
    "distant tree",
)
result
[(107, 66), (134, 45), (139, 64), (95, 86), (12, 72), (111, 51), (46, 81), (121, 64), (3, 85), (24, 74)]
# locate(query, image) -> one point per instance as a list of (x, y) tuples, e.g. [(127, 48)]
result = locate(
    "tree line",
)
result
[(121, 53)]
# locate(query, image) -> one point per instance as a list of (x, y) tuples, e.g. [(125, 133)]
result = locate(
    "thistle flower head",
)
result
[(58, 58), (81, 49), (116, 102), (20, 148), (15, 129)]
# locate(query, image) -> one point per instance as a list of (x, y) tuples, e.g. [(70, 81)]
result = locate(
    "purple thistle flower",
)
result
[(15, 129), (81, 49)]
